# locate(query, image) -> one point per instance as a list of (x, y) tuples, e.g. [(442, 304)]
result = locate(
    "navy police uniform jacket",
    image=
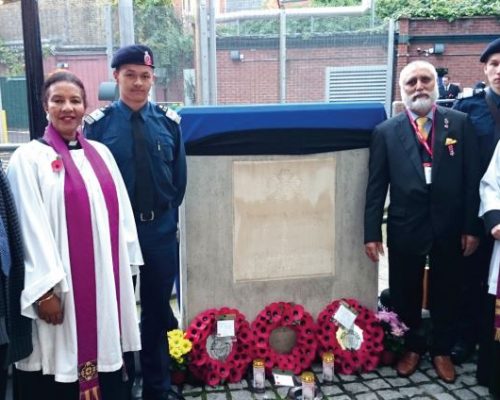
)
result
[(112, 126), (482, 120)]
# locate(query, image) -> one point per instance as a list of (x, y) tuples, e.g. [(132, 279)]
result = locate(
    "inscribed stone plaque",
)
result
[(284, 219)]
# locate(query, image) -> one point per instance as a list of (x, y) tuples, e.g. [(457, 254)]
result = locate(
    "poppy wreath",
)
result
[(294, 317), (355, 350), (214, 360)]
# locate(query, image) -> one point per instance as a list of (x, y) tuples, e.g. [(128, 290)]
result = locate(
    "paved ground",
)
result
[(382, 384)]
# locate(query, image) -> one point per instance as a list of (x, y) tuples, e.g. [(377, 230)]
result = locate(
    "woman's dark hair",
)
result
[(62, 76)]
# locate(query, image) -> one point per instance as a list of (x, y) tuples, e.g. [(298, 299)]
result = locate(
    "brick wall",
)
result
[(464, 41), (256, 79)]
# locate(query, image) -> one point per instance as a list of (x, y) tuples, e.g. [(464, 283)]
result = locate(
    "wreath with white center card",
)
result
[(352, 333), (222, 346)]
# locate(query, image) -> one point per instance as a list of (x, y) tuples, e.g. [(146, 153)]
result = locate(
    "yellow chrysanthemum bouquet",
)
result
[(179, 347)]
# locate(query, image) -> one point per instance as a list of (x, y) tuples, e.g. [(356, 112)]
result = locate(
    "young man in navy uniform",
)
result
[(475, 268), (146, 141)]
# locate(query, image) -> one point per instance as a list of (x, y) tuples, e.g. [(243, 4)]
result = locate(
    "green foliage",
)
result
[(157, 26), (12, 58), (445, 9)]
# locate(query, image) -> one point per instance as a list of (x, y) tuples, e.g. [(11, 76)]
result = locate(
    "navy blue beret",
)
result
[(492, 48), (137, 54)]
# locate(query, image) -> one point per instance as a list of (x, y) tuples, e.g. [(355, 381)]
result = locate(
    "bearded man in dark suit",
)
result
[(428, 156)]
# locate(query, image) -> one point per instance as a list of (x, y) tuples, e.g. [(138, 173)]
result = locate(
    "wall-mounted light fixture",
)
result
[(438, 48), (235, 55), (62, 65)]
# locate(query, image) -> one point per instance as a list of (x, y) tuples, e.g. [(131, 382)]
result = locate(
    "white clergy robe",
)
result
[(39, 194), (489, 190)]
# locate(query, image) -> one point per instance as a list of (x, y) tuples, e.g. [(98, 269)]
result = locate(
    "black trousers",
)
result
[(488, 363), (35, 386), (406, 273), (473, 291), (161, 260), (3, 371)]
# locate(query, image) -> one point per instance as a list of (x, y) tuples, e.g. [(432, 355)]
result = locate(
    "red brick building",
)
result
[(463, 40), (255, 78)]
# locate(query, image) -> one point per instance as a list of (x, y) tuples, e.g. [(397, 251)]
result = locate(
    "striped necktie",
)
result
[(421, 121)]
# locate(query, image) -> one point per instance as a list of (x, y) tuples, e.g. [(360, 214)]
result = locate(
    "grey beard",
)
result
[(420, 105)]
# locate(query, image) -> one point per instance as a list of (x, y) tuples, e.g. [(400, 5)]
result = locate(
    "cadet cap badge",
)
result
[(147, 59)]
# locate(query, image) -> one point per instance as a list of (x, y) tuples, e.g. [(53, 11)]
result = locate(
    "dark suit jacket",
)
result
[(451, 93), (421, 214)]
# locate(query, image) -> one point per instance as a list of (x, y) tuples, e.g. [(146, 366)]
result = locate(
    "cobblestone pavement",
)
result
[(382, 384)]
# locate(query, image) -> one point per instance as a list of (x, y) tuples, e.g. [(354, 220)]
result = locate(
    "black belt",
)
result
[(148, 216)]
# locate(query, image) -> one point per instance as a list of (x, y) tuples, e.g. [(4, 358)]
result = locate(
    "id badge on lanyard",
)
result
[(428, 173)]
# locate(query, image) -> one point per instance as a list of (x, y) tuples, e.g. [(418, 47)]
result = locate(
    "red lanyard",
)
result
[(419, 135)]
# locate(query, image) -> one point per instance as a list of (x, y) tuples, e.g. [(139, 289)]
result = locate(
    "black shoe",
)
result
[(462, 352)]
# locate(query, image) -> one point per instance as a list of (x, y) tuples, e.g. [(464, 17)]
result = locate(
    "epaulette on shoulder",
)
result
[(171, 114), (96, 115), (471, 93)]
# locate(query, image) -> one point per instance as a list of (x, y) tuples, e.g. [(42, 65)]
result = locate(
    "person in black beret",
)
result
[(145, 139), (479, 279), (136, 54), (492, 48)]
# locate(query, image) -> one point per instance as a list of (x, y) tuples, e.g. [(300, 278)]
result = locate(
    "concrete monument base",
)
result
[(266, 228)]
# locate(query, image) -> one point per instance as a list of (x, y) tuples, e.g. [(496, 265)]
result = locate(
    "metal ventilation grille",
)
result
[(358, 83)]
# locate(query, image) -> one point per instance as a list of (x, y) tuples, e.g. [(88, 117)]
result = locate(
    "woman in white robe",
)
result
[(488, 366), (37, 176)]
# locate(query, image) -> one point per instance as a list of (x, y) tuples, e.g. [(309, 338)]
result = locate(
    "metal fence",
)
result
[(303, 59), (258, 56)]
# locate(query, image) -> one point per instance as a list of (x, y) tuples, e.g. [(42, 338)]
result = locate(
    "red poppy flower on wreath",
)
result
[(284, 335), (357, 349), (219, 359)]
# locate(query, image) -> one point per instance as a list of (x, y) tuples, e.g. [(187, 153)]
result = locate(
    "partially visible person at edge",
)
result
[(474, 269), (146, 141), (80, 244), (448, 90), (428, 157), (480, 288), (15, 329)]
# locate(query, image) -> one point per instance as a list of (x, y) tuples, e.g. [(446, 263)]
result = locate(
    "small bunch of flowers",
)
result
[(394, 330), (179, 347)]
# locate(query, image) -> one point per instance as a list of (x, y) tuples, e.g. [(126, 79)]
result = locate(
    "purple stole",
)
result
[(81, 251), (497, 310)]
